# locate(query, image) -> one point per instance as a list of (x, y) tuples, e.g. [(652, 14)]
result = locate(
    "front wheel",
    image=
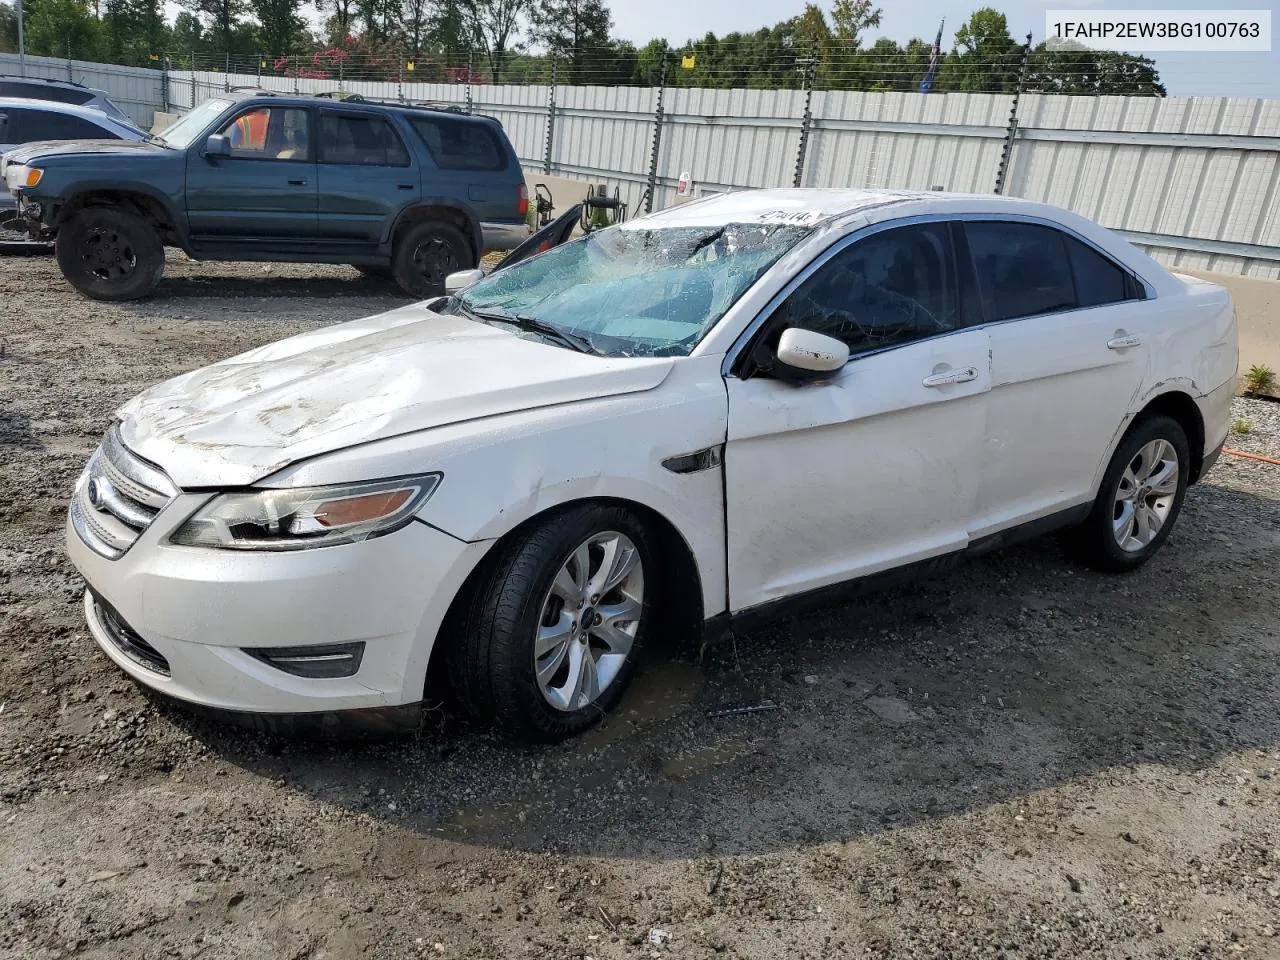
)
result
[(1139, 499), (110, 254), (426, 255), (553, 628)]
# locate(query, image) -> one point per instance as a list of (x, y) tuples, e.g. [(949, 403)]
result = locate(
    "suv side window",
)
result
[(460, 144), (360, 139), (270, 133), (49, 125), (885, 290), (44, 91)]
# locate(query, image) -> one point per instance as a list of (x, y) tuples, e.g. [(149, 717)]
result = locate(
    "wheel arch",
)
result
[(443, 212), (1180, 407), (136, 199), (680, 622)]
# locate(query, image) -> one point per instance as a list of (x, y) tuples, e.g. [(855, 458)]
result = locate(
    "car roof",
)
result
[(55, 106), (49, 81), (238, 95)]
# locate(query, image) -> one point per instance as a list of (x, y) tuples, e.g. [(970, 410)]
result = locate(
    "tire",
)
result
[(1143, 455), (110, 254), (520, 597), (426, 254)]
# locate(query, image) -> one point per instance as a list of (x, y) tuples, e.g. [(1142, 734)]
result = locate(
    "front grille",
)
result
[(119, 497), (125, 640)]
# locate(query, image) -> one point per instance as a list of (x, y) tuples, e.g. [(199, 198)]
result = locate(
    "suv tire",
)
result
[(426, 254), (522, 654), (109, 254), (1139, 499)]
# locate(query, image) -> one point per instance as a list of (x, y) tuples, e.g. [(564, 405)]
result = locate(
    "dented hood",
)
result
[(239, 420)]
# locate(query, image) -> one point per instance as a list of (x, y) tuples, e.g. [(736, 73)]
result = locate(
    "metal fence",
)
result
[(1192, 180), (138, 91)]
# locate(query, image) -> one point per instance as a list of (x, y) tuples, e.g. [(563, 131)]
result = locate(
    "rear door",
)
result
[(266, 189), (1069, 346), (367, 175)]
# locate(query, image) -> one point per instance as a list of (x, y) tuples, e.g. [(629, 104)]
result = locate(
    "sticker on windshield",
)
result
[(798, 217)]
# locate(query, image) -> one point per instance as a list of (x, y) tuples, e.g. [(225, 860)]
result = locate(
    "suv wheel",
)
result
[(1139, 499), (549, 636), (110, 254), (426, 254)]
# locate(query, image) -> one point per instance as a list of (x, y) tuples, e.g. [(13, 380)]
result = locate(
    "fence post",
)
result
[(260, 56), (471, 61), (69, 76), (1006, 155), (192, 61), (657, 138), (164, 83), (551, 118), (226, 73), (805, 121), (400, 77), (295, 73)]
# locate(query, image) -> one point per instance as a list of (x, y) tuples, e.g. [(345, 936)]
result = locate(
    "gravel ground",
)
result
[(1018, 759)]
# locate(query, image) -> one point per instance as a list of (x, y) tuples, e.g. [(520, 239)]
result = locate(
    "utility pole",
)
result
[(22, 44)]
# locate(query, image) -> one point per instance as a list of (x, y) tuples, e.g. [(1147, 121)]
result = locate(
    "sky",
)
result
[(1184, 74)]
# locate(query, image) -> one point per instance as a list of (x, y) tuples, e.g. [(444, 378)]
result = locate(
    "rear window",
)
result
[(460, 144), (42, 91), (24, 125)]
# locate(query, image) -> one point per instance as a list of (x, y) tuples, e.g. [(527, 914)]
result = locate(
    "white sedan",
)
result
[(659, 429)]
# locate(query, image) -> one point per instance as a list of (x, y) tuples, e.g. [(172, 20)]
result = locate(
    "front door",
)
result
[(877, 467), (266, 189), (1069, 346), (366, 176)]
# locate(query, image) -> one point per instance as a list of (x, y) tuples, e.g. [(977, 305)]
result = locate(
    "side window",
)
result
[(47, 125), (269, 133), (1022, 269), (891, 288), (460, 144), (21, 128), (363, 140), (1098, 280)]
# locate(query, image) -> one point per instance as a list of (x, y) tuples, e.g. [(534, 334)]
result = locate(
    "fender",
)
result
[(1183, 385), (465, 210), (79, 188)]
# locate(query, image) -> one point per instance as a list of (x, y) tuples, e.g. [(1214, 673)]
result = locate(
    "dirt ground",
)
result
[(1018, 759)]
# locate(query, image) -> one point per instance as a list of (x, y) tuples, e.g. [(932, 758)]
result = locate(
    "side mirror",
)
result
[(217, 146), (457, 282), (806, 355)]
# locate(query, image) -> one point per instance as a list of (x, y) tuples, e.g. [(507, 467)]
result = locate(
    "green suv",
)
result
[(408, 192)]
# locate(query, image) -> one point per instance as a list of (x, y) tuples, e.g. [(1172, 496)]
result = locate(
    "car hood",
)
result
[(45, 149), (240, 420)]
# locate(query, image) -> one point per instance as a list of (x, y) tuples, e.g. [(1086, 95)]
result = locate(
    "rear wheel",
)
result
[(110, 254), (426, 254), (1139, 499), (553, 628)]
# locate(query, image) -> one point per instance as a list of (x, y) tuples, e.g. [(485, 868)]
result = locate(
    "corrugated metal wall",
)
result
[(137, 91), (1192, 180)]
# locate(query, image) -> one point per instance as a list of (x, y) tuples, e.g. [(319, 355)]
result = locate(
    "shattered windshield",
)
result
[(637, 293), (182, 132)]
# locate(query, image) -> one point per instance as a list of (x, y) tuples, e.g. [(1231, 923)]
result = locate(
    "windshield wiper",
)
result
[(533, 325)]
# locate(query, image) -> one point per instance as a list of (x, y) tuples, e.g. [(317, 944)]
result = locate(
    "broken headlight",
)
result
[(304, 517)]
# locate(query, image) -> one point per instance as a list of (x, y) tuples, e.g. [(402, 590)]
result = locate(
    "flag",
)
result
[(410, 65), (688, 63), (934, 56)]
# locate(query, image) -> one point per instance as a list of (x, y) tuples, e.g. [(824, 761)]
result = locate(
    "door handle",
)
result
[(404, 186), (1123, 343), (298, 183), (948, 377)]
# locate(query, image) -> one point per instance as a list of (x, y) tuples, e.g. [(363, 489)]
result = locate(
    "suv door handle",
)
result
[(1123, 343), (298, 183), (404, 186), (948, 377)]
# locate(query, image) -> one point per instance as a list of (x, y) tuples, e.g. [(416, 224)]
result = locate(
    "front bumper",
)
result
[(193, 612)]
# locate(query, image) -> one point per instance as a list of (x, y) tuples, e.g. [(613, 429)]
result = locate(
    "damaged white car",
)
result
[(719, 410)]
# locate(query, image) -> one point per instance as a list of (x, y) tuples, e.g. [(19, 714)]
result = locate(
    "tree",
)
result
[(225, 16), (987, 60), (280, 26), (8, 28), (340, 16), (61, 28), (850, 18), (1063, 69), (576, 31), (494, 26), (132, 31)]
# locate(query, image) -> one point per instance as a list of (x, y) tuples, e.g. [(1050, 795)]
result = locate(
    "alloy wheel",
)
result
[(589, 621), (1145, 496), (109, 254)]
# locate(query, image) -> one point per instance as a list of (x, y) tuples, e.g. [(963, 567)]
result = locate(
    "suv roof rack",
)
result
[(63, 83), (437, 105)]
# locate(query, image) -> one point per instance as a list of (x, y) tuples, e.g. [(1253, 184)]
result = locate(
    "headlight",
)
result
[(17, 175), (306, 517)]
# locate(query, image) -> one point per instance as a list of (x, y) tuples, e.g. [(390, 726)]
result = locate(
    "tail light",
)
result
[(523, 198)]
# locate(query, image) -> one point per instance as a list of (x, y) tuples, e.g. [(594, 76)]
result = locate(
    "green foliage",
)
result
[(8, 28), (61, 28), (1241, 426), (576, 32), (1260, 379)]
